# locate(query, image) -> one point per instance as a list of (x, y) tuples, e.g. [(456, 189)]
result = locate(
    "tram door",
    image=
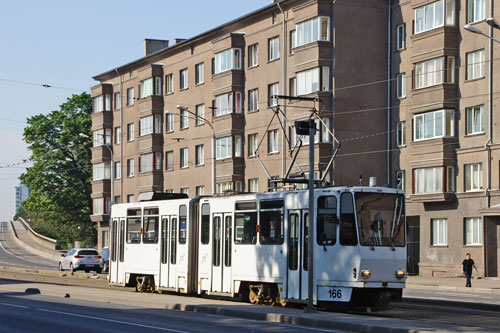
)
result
[(221, 252), (297, 254), (168, 271), (120, 277), (113, 258)]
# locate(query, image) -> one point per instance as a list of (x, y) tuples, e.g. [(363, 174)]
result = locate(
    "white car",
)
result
[(81, 259)]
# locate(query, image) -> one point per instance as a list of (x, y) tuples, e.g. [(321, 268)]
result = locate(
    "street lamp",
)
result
[(491, 21), (183, 108), (112, 166)]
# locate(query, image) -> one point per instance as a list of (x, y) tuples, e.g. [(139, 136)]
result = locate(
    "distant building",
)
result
[(22, 193)]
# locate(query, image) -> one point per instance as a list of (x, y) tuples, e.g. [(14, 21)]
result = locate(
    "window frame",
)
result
[(273, 48), (253, 55), (199, 73), (228, 140), (447, 130), (184, 158), (401, 85), (130, 96), (475, 65), (183, 79), (475, 238), (401, 134), (253, 100), (475, 185), (200, 155), (401, 37), (438, 238), (273, 141), (470, 114), (472, 15), (169, 83), (226, 60), (305, 36)]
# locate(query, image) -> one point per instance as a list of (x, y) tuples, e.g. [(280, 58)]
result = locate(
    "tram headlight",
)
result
[(366, 273), (400, 273)]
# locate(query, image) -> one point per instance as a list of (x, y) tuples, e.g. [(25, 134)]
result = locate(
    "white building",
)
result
[(22, 193)]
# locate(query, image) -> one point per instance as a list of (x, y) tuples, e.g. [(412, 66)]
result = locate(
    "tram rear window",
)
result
[(271, 222), (182, 224), (133, 230), (245, 228), (205, 224)]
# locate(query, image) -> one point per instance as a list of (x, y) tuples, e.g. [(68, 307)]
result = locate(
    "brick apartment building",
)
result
[(410, 105)]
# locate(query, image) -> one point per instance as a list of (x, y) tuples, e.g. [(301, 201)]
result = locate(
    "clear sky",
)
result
[(63, 43)]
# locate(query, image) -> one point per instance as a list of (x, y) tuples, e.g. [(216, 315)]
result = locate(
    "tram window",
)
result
[(164, 239), (306, 242), (348, 235), (227, 241), (205, 224), (245, 228), (293, 242), (249, 205), (150, 235), (327, 221), (182, 224), (216, 244), (271, 222), (113, 241), (122, 241), (173, 243), (133, 230)]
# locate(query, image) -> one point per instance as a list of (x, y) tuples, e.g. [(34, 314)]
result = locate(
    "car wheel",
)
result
[(60, 267), (99, 270), (71, 268)]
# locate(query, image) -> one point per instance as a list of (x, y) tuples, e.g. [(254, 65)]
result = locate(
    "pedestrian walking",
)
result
[(467, 265)]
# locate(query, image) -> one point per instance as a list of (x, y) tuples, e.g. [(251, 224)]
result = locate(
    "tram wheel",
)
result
[(252, 296), (281, 300)]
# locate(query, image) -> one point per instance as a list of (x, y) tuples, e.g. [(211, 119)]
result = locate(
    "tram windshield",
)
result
[(381, 218)]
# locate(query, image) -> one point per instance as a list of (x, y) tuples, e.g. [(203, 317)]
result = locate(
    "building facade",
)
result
[(22, 193), (446, 144), (402, 86)]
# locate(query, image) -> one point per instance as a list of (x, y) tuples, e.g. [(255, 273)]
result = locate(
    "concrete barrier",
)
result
[(42, 240), (45, 252)]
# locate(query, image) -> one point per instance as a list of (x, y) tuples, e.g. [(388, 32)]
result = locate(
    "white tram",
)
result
[(255, 245)]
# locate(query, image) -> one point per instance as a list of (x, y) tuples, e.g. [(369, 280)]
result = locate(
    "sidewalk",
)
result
[(479, 285)]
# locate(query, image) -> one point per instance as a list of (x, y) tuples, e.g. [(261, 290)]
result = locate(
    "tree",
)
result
[(59, 204)]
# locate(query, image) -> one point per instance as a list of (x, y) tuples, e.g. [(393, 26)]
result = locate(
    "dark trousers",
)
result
[(468, 276)]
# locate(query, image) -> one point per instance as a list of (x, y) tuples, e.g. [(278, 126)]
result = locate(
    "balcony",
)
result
[(227, 81), (235, 121), (101, 188), (147, 105), (102, 119), (150, 142), (151, 181), (433, 43), (315, 51), (100, 153), (434, 97)]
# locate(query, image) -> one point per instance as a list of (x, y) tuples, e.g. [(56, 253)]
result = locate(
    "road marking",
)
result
[(113, 321), (16, 306)]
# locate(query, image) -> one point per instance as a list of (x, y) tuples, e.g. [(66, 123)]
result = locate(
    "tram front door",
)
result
[(221, 252), (168, 252), (298, 223)]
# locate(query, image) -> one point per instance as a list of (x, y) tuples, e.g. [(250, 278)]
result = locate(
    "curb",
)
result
[(453, 288), (287, 319), (452, 304)]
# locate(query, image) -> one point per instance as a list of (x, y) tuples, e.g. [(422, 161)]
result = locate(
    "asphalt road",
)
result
[(14, 256), (20, 312)]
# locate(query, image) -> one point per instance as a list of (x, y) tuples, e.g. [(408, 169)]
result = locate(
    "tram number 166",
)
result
[(335, 293)]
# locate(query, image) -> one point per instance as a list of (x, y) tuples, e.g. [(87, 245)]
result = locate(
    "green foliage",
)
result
[(20, 213), (59, 204)]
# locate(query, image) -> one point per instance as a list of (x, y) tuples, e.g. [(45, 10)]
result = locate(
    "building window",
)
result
[(429, 73), (273, 90), (184, 119), (130, 132), (475, 119), (434, 124), (323, 130), (146, 88), (293, 40), (105, 239), (98, 104), (253, 55), (184, 158), (473, 231), (118, 101), (158, 86), (473, 177), (185, 190), (98, 206), (253, 141), (102, 137), (130, 198), (224, 103), (200, 190), (118, 135), (150, 124), (293, 86), (227, 60), (450, 179), (253, 100), (401, 85), (200, 114), (401, 36), (224, 147), (439, 232), (130, 167), (118, 170), (429, 180), (313, 30), (401, 133), (149, 162), (200, 73), (308, 81), (475, 65), (101, 171), (130, 96), (169, 83), (273, 141), (253, 185), (169, 161), (200, 155), (273, 48), (401, 180), (169, 119), (476, 10), (325, 78), (433, 15), (183, 74), (238, 146)]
